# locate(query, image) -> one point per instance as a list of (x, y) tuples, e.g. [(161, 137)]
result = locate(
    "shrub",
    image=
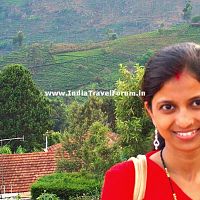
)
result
[(20, 150), (66, 185), (90, 196), (54, 138), (5, 149), (47, 196), (87, 197)]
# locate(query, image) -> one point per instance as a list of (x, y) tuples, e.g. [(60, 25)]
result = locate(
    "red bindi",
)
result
[(177, 75)]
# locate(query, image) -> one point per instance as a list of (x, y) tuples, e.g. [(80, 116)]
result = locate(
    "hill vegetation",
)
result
[(64, 66), (86, 20)]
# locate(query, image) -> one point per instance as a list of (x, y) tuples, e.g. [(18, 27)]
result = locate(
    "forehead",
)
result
[(181, 87)]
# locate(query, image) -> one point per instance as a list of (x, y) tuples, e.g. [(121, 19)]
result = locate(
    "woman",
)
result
[(172, 86)]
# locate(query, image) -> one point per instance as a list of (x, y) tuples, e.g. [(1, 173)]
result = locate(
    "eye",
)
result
[(196, 103), (167, 107)]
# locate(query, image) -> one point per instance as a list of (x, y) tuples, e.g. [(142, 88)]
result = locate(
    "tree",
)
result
[(187, 11), (59, 115), (161, 28), (108, 107), (38, 55), (132, 123), (98, 154), (80, 118), (145, 57), (111, 34), (54, 137), (18, 39), (24, 110)]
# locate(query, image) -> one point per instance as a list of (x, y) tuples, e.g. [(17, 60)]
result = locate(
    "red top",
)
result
[(119, 183)]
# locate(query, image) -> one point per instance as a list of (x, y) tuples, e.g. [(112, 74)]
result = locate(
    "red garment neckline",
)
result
[(151, 162)]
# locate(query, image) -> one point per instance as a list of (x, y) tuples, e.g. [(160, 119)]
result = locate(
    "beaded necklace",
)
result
[(168, 175)]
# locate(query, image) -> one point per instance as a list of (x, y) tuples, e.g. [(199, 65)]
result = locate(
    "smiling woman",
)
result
[(172, 86), (177, 114)]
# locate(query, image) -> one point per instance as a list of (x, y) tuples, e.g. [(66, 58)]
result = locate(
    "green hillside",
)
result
[(97, 67), (86, 20)]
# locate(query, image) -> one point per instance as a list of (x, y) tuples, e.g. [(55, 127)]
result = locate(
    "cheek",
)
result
[(163, 122)]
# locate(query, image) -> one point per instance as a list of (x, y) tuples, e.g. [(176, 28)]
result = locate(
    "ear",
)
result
[(149, 111)]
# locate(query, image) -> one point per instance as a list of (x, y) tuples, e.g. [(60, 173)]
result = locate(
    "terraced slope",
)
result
[(96, 66)]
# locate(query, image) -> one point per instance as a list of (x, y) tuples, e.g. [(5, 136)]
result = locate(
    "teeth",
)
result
[(186, 133)]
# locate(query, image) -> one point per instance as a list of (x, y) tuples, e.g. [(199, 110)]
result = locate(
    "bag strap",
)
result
[(140, 164)]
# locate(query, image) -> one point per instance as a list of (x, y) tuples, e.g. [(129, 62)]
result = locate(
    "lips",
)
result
[(187, 135)]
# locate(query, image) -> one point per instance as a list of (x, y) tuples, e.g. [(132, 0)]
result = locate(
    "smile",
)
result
[(187, 135)]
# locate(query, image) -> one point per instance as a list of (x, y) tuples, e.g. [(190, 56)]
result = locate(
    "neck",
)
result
[(179, 163)]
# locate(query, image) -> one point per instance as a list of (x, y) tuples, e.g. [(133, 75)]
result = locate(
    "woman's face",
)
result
[(176, 112)]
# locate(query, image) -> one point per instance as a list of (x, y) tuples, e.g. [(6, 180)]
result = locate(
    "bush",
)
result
[(47, 196), (86, 197), (5, 149), (54, 138), (20, 150), (90, 196), (66, 185)]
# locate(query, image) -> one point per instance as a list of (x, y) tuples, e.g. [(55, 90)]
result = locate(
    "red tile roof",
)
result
[(19, 171)]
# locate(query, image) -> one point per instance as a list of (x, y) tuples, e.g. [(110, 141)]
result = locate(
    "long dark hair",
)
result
[(166, 64)]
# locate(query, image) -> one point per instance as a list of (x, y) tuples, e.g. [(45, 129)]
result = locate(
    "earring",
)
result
[(156, 142)]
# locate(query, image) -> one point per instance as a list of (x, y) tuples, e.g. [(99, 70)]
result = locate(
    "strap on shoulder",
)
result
[(140, 164)]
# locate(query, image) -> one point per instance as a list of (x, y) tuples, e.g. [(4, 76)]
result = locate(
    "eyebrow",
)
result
[(193, 98), (165, 101)]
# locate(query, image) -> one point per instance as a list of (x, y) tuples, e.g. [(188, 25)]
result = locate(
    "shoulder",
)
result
[(119, 181), (121, 168), (123, 171)]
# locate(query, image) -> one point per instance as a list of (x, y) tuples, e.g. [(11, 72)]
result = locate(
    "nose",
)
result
[(184, 119)]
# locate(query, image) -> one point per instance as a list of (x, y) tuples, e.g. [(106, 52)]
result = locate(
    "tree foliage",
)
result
[(187, 10), (38, 55), (108, 108), (80, 118), (5, 149), (20, 150), (98, 154), (111, 34), (59, 115), (18, 39), (145, 57), (54, 137), (133, 125), (161, 28), (24, 110)]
